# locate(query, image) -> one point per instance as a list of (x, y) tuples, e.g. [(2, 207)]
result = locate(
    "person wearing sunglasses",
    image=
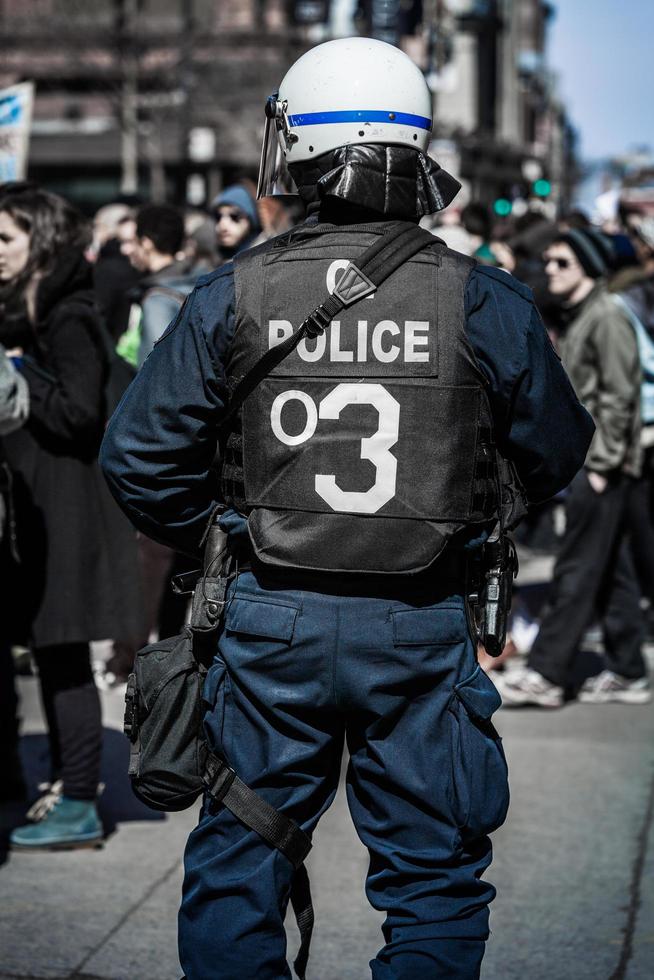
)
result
[(237, 221), (594, 573)]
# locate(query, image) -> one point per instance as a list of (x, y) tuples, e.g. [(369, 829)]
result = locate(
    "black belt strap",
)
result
[(279, 831), (303, 909), (391, 250)]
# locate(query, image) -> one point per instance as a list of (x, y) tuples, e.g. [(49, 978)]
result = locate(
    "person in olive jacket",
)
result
[(77, 578), (594, 573)]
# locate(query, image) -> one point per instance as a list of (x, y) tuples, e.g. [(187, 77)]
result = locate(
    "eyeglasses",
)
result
[(559, 261), (235, 216)]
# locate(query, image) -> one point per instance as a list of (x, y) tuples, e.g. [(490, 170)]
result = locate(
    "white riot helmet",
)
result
[(350, 91)]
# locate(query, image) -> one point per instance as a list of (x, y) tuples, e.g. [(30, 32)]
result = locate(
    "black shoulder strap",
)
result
[(391, 250)]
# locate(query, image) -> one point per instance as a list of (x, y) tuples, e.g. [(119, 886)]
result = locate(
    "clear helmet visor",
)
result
[(274, 178)]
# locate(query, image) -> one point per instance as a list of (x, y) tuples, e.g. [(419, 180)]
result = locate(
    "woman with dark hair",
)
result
[(76, 580)]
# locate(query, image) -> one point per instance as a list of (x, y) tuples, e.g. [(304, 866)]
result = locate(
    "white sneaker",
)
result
[(524, 632), (608, 686), (524, 686)]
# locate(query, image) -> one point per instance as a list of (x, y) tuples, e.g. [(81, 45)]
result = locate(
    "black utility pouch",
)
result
[(164, 709), (163, 721)]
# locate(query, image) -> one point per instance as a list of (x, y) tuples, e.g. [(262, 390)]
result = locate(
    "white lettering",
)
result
[(335, 352), (362, 340), (338, 265), (385, 356), (411, 341), (367, 342), (375, 448), (278, 331), (312, 355), (276, 417)]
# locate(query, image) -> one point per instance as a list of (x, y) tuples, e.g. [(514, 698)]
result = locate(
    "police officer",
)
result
[(354, 479)]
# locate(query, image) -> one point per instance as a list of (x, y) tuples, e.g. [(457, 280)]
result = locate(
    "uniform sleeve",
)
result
[(160, 445), (539, 422)]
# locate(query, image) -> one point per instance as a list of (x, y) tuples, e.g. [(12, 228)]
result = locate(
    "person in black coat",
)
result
[(77, 579)]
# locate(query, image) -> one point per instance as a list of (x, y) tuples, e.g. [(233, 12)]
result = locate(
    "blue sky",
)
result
[(604, 53)]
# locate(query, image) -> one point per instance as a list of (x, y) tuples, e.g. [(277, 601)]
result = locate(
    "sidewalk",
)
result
[(574, 866)]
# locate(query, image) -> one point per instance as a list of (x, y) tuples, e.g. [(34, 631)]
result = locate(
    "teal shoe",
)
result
[(69, 824)]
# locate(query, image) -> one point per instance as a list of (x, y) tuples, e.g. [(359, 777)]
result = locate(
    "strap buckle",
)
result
[(218, 777), (317, 322), (353, 285)]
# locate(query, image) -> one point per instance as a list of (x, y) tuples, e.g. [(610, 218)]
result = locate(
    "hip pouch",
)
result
[(163, 721), (170, 762)]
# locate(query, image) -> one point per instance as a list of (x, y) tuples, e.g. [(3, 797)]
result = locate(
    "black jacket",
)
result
[(78, 578), (114, 278)]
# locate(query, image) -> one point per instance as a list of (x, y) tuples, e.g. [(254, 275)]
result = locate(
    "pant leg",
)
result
[(271, 717), (593, 522), (640, 520), (426, 783), (72, 708), (8, 701), (11, 776), (623, 619)]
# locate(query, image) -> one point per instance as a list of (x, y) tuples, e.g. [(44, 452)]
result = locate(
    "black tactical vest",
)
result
[(369, 446)]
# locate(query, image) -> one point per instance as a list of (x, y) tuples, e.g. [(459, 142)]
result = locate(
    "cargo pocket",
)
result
[(261, 618), (480, 776), (432, 626)]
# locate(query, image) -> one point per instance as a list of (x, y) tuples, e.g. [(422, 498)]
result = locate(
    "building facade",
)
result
[(495, 103), (164, 98)]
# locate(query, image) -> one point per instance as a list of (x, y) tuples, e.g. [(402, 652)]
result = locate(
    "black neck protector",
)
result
[(393, 181)]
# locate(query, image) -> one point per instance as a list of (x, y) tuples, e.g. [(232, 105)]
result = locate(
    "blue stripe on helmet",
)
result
[(360, 116)]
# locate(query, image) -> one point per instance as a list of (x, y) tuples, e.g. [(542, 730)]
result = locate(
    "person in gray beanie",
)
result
[(592, 249), (237, 221)]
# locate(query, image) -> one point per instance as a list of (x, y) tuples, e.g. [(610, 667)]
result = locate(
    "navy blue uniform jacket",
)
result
[(159, 447)]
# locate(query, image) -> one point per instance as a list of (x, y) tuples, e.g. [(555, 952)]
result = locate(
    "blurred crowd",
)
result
[(83, 302), (594, 287)]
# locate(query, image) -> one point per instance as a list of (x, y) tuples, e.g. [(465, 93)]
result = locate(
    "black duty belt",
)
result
[(447, 576)]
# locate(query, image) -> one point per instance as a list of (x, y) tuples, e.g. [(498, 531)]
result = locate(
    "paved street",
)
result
[(574, 866)]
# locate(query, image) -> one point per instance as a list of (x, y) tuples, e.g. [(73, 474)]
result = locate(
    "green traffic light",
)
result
[(542, 187), (502, 207)]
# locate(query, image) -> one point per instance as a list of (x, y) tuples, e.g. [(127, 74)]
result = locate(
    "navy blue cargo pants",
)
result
[(296, 673)]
